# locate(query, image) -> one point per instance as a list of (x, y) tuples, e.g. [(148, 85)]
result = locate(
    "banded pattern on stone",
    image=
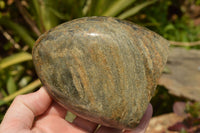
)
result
[(101, 68)]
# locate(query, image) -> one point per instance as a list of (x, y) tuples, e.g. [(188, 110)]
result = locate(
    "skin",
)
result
[(38, 113)]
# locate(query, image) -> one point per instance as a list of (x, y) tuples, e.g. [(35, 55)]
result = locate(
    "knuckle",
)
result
[(19, 98)]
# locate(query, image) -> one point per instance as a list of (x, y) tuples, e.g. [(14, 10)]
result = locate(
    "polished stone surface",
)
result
[(101, 68)]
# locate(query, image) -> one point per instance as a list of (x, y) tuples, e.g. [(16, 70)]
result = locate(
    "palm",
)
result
[(52, 121), (51, 124)]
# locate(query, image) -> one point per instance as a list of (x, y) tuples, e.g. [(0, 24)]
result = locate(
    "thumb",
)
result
[(23, 110), (141, 128)]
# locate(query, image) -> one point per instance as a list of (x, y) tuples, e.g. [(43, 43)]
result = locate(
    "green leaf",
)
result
[(117, 7), (18, 71), (37, 14), (169, 27), (44, 17), (2, 102), (14, 59), (11, 85), (3, 92), (33, 85), (98, 7), (49, 20), (197, 2), (87, 6), (2, 4), (136, 9), (19, 30), (24, 81), (59, 14)]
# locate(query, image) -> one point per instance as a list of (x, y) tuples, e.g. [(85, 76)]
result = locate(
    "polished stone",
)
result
[(101, 68)]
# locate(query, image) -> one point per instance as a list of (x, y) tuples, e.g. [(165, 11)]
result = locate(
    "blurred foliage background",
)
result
[(22, 21)]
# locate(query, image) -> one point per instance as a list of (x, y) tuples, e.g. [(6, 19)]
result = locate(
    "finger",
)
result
[(24, 108), (54, 124), (104, 129), (85, 124), (56, 109), (141, 128)]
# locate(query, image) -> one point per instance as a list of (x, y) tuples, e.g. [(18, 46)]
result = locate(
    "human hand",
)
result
[(38, 113)]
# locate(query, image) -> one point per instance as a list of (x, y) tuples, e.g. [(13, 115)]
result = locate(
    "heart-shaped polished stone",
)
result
[(101, 68)]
